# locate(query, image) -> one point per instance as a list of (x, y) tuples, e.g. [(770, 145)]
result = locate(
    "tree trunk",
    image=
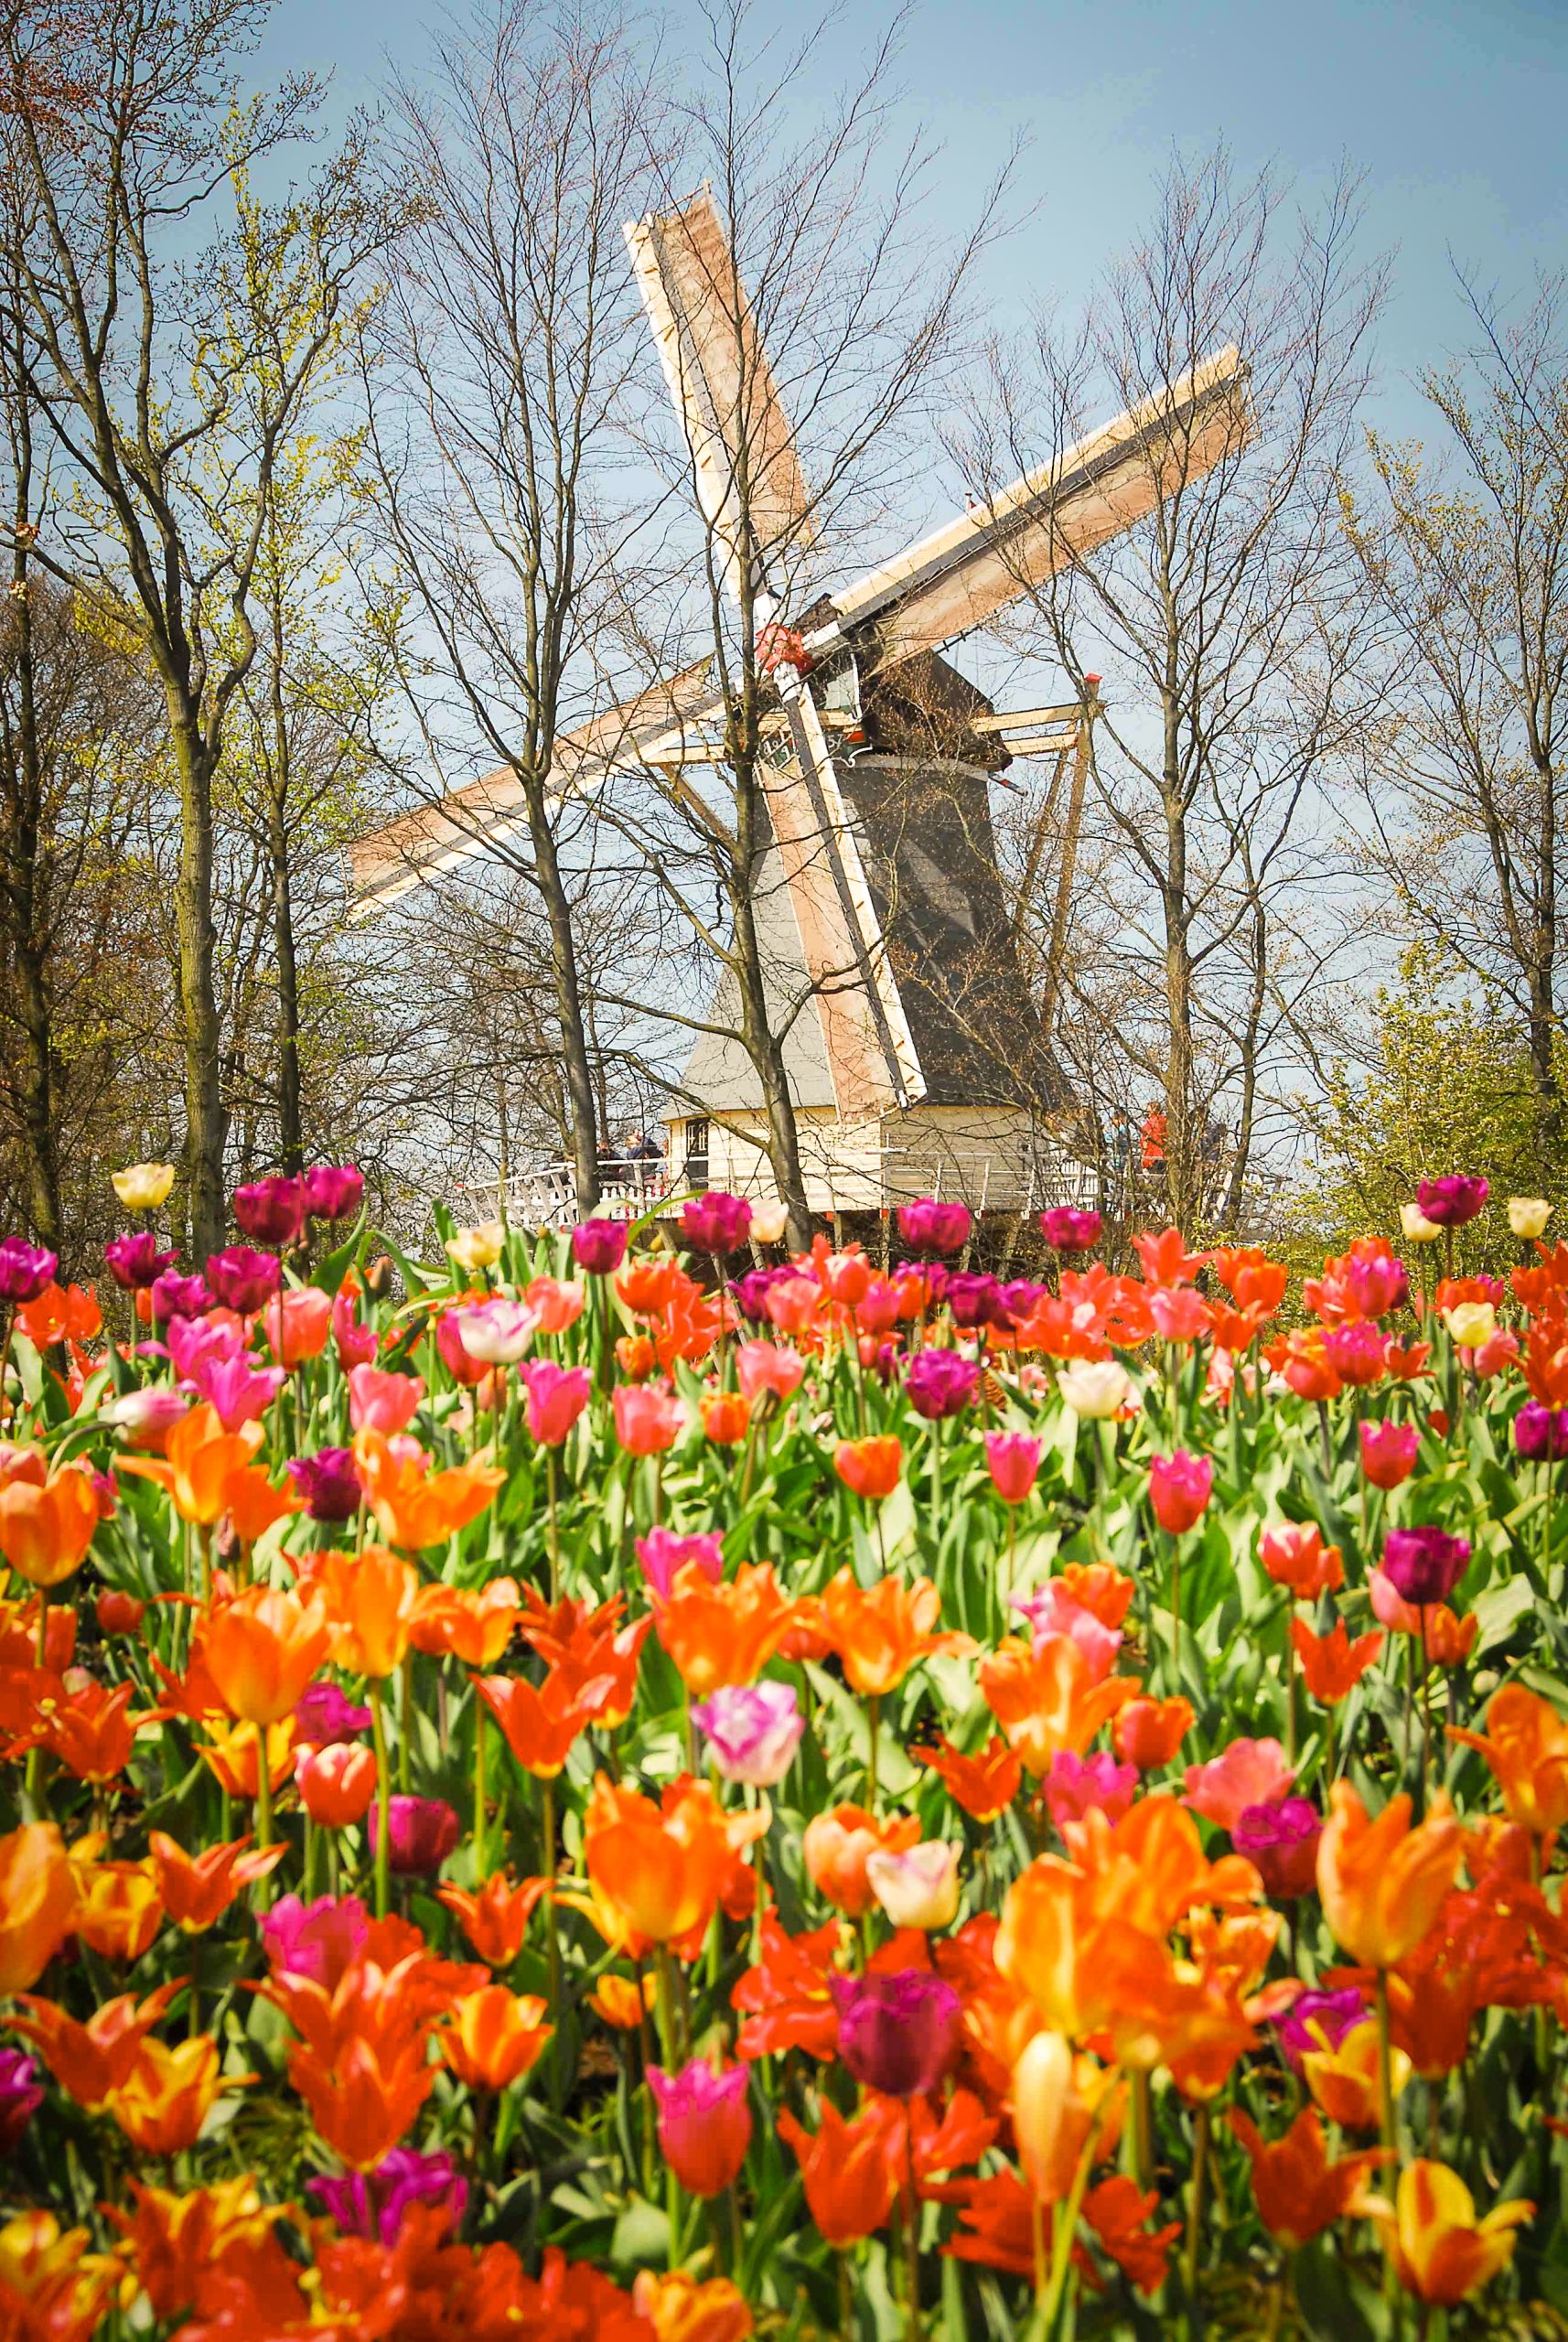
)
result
[(23, 883), (291, 1108), (767, 1054), (205, 1117), (568, 999), (1542, 989)]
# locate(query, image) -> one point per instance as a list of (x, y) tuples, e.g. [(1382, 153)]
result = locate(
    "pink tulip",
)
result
[(1013, 1460), (382, 1401), (764, 1365), (1180, 1312), (1179, 1488), (356, 1345), (1250, 1772), (556, 1396), (1078, 1785), (1052, 1611), (662, 1553), (1389, 1453), (241, 1392), (647, 1417)]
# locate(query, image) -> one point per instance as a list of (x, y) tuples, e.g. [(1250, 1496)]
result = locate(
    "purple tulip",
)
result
[(242, 1280), (174, 1295), (662, 1553), (374, 2204), (933, 1227), (975, 1300), (21, 2095), (899, 2033), (271, 1210), (749, 1293), (1020, 1297), (328, 1482), (1328, 2015), (1279, 1841), (598, 1246), (325, 1714), (1424, 1565), (1066, 1231), (940, 1383), (26, 1270), (1451, 1201), (715, 1223), (134, 1260), (332, 1190), (1541, 1432), (752, 1731), (320, 1940), (421, 1833)]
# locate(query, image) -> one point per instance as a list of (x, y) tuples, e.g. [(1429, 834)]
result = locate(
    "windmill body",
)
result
[(917, 1058)]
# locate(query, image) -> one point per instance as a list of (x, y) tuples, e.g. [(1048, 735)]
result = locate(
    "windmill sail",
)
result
[(748, 476), (979, 562)]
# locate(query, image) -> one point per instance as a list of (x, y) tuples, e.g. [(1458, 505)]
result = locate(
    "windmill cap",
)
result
[(1091, 682)]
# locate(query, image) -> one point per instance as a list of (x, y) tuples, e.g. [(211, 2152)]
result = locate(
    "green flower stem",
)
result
[(384, 1802)]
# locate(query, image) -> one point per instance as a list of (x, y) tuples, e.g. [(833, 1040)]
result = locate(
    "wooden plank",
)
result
[(1032, 719), (963, 572), (719, 382)]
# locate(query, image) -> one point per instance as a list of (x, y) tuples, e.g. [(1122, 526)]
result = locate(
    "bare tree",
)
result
[(492, 380), (171, 376), (1466, 550), (1225, 625)]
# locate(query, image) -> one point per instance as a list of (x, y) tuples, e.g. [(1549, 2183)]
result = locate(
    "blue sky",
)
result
[(1454, 110)]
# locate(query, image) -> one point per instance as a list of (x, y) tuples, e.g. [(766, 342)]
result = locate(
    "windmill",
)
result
[(926, 1064)]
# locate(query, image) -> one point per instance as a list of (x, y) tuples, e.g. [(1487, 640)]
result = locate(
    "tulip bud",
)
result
[(1415, 1226), (1528, 1215), (768, 1221), (336, 1783), (1096, 1390), (119, 1613), (1042, 2094)]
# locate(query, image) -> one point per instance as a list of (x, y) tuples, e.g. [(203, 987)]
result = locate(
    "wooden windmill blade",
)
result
[(974, 567), (666, 725), (721, 384)]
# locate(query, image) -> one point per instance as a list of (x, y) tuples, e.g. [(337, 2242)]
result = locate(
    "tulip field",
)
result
[(627, 1786)]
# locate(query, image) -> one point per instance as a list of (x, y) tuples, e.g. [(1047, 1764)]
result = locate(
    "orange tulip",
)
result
[(1294, 1555), (119, 1908), (178, 2244), (362, 2096), (263, 1648), (166, 2097), (879, 1632), (1098, 1587), (1344, 2079), (835, 1846), (92, 1736), (494, 2038), (657, 1870), (847, 2168), (1332, 1665), (1057, 2098), (38, 1902), (90, 2060), (1149, 1732), (195, 1890), (869, 1467), (232, 1752), (1381, 1883), (202, 1460), (619, 2002), (723, 1634), (725, 1415), (985, 1785), (541, 1726), (45, 1532), (1046, 1699), (495, 1920), (50, 2285), (253, 1504), (1525, 1745), (690, 2309), (414, 1505), (450, 1622), (337, 1783), (370, 1599), (1441, 2252), (1298, 2192)]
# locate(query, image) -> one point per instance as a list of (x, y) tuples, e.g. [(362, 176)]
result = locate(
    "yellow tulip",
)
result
[(478, 1248), (143, 1186), (1528, 1215), (1415, 1226)]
